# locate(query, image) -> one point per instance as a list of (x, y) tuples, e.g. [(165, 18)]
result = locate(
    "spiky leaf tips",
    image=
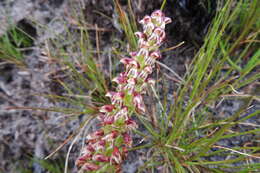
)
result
[(107, 147)]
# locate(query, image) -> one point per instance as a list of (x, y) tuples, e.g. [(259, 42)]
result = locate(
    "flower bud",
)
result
[(106, 108), (119, 95), (117, 99), (133, 54), (127, 139)]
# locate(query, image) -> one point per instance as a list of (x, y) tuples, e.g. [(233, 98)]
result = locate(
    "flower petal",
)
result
[(108, 120), (116, 156), (156, 55), (157, 13), (167, 20), (145, 20), (106, 108), (131, 124), (82, 159), (123, 113), (100, 158)]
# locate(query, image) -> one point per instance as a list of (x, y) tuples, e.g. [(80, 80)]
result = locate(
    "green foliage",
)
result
[(84, 85), (10, 44), (52, 166), (226, 62), (127, 23), (56, 166)]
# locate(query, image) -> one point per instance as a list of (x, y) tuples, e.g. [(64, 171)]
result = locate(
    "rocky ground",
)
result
[(27, 134)]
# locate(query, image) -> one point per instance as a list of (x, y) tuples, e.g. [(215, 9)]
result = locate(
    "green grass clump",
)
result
[(52, 166), (226, 62), (12, 43)]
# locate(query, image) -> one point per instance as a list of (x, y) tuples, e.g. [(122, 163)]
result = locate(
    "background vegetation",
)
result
[(185, 134)]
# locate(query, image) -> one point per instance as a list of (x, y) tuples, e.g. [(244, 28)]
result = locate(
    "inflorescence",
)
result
[(107, 147)]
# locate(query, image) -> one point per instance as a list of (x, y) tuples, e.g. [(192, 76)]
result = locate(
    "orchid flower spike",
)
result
[(108, 146)]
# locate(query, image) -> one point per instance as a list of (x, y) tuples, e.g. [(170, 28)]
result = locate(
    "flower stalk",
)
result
[(107, 147)]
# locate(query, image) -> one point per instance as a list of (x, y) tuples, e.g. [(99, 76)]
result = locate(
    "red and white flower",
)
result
[(138, 103), (132, 73), (130, 86), (116, 156), (156, 55), (131, 124), (111, 136), (122, 113), (121, 79), (145, 20), (106, 108), (127, 139)]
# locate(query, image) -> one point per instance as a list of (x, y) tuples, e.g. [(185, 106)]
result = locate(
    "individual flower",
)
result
[(127, 139), (121, 79), (116, 156), (101, 158), (131, 124), (106, 108), (138, 103)]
